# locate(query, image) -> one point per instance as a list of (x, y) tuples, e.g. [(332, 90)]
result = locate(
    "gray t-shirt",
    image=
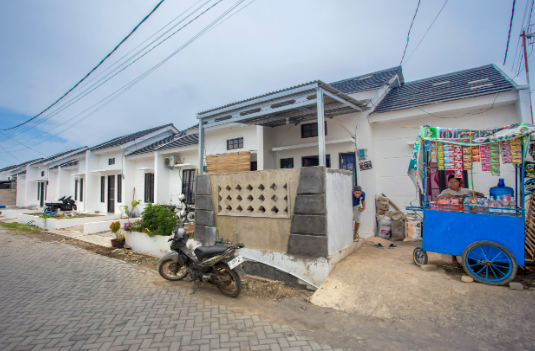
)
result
[(462, 191)]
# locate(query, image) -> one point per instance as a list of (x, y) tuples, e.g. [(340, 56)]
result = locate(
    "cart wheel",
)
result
[(489, 263), (419, 256)]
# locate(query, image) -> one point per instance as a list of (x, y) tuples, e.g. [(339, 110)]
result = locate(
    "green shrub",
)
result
[(158, 220), (115, 226)]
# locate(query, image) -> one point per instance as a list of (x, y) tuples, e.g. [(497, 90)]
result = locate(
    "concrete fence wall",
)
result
[(8, 197)]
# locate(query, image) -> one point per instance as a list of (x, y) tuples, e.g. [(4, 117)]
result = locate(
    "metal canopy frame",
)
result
[(315, 100)]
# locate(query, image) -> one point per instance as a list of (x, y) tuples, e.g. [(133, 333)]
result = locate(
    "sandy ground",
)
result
[(386, 284)]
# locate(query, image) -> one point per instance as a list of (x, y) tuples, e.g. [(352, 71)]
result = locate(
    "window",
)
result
[(111, 161), (38, 189), (119, 188), (188, 186), (76, 189), (235, 144), (102, 189), (149, 187), (311, 130), (81, 189), (311, 161), (42, 173), (347, 162), (287, 163)]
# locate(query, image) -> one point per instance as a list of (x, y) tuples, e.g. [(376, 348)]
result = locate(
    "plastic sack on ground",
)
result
[(397, 232), (413, 229), (385, 227)]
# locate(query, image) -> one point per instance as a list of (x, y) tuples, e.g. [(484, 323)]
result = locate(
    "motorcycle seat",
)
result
[(203, 252)]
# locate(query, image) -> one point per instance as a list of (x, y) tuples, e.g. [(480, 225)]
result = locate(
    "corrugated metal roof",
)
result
[(153, 146), (8, 168), (19, 165), (473, 82), (128, 138), (58, 155), (369, 81)]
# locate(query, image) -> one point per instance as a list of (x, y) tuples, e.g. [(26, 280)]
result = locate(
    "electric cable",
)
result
[(510, 27), (84, 93), (94, 88), (128, 86), (409, 33), (431, 25), (87, 75)]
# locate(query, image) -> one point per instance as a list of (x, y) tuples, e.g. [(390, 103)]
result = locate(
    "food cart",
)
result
[(490, 238)]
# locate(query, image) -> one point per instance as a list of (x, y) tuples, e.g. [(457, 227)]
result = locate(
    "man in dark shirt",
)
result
[(359, 205)]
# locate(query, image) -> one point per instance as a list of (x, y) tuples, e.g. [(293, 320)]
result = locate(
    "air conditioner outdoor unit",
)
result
[(166, 162), (172, 160)]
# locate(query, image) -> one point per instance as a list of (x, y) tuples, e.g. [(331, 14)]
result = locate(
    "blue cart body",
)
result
[(450, 233)]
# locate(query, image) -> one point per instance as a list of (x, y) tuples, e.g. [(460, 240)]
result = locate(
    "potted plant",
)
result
[(120, 239), (115, 226)]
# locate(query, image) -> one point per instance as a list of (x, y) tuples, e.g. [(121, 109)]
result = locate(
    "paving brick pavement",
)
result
[(58, 297)]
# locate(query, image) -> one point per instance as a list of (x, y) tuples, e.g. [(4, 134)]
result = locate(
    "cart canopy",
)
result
[(466, 137)]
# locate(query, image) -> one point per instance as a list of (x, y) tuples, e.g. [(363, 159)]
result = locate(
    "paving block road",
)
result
[(57, 297)]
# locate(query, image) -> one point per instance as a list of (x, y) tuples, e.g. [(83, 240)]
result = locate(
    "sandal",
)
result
[(379, 246), (392, 246)]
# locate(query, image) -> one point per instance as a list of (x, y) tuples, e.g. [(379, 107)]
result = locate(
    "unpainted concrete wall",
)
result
[(266, 232), (8, 197)]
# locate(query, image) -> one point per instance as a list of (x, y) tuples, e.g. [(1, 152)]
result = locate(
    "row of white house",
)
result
[(364, 113)]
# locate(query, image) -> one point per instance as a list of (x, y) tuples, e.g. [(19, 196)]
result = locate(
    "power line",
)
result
[(509, 35), (431, 25), (409, 33), (128, 86), (87, 75), (87, 92)]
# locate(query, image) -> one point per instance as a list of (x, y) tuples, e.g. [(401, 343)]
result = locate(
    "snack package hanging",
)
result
[(495, 159), (476, 156), (434, 154), (505, 148), (516, 150), (485, 157), (467, 157)]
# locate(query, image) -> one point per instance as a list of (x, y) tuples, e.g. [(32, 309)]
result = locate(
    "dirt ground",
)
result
[(386, 284)]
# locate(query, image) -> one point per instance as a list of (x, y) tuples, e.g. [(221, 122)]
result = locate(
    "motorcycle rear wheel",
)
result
[(167, 270), (232, 287), (190, 217)]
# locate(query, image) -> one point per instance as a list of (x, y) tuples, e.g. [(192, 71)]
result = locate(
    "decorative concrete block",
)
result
[(307, 245), (204, 202), (309, 224), (202, 185), (312, 180), (206, 218), (310, 204), (206, 235)]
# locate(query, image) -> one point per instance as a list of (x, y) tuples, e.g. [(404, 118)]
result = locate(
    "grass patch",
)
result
[(21, 228)]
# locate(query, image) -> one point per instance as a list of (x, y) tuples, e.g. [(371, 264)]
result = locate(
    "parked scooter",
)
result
[(66, 204), (187, 211), (218, 265)]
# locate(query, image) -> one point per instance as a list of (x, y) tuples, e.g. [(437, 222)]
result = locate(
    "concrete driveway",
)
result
[(386, 284)]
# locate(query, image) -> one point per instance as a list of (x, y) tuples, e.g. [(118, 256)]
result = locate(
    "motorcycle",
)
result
[(218, 265), (66, 204), (187, 211)]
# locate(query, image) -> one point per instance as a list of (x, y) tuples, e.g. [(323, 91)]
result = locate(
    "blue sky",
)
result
[(272, 44)]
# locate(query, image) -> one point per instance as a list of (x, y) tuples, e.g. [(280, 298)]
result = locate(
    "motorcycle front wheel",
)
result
[(167, 270), (190, 217), (230, 281)]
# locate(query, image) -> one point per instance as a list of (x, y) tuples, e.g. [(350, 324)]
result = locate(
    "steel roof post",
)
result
[(201, 146), (321, 126)]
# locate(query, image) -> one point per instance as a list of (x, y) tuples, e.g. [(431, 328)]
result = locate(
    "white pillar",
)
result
[(201, 147), (321, 127), (156, 178)]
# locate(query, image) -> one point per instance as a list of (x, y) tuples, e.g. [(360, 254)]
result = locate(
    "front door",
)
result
[(42, 194), (111, 193), (188, 186), (347, 162)]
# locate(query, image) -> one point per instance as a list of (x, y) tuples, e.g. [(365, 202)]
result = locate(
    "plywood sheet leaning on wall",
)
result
[(228, 163)]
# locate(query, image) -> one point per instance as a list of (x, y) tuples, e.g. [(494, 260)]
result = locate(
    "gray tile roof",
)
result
[(66, 164), (59, 155), (153, 146), (184, 141), (177, 140), (473, 82), (369, 81), (8, 168), (128, 138), (19, 165)]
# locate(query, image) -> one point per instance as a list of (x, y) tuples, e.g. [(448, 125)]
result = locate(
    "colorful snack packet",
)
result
[(458, 174), (467, 166), (495, 169), (449, 167), (485, 167), (475, 150), (467, 159), (517, 159), (476, 158), (507, 159), (494, 160)]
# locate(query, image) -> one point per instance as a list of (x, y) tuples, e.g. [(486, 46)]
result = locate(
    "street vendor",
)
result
[(455, 189)]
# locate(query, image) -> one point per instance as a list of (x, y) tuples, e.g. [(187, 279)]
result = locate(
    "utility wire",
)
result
[(87, 92), (128, 86), (431, 25), (509, 35), (87, 75), (409, 33)]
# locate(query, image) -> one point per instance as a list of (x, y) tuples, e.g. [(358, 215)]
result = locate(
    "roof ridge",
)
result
[(448, 74)]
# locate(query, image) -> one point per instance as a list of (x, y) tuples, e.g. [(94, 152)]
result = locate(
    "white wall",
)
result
[(392, 153), (216, 139), (339, 211), (21, 190)]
